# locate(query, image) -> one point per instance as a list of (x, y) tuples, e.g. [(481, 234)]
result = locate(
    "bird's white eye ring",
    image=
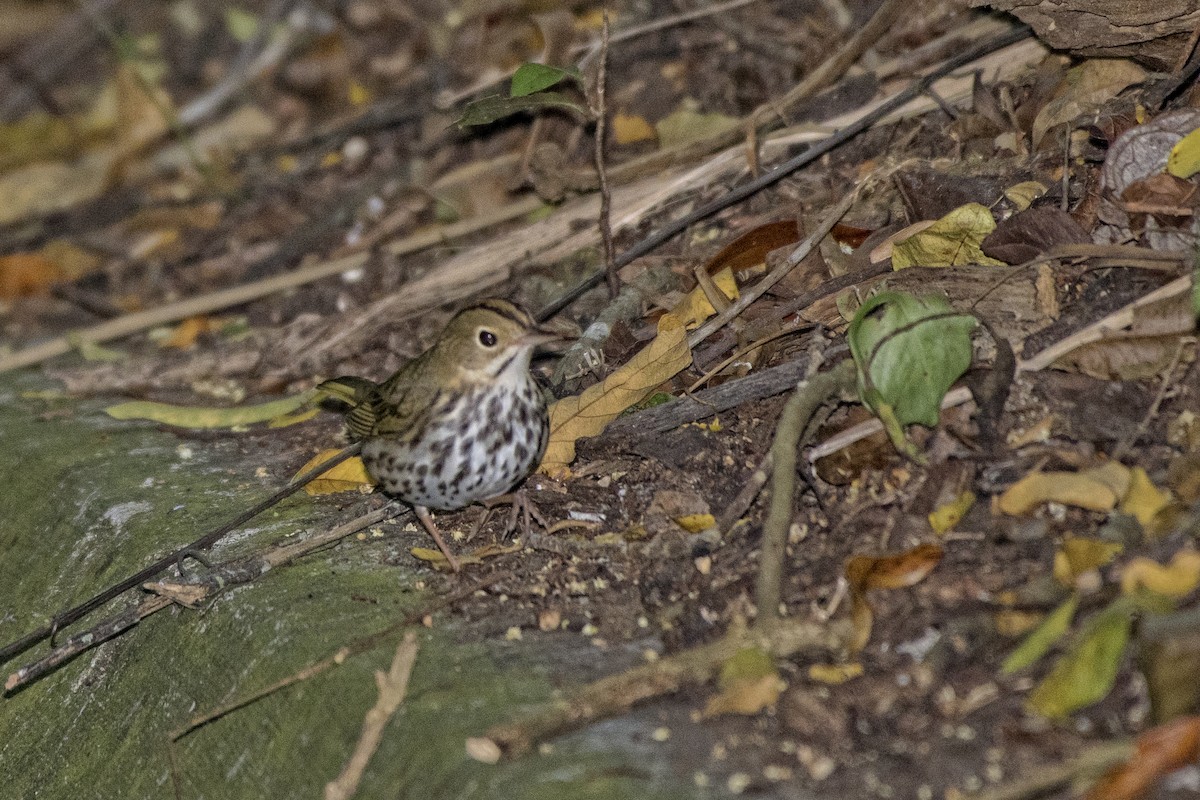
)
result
[(487, 338)]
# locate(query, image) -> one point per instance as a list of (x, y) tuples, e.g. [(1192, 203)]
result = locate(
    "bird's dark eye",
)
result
[(487, 338)]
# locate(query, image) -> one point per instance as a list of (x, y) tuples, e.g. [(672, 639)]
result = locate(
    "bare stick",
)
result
[(192, 592), (618, 693), (801, 406), (237, 295), (393, 685), (610, 269)]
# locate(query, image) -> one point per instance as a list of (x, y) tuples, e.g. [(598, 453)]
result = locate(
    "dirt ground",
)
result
[(335, 168)]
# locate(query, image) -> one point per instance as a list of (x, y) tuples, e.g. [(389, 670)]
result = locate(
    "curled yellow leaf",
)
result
[(1178, 579)]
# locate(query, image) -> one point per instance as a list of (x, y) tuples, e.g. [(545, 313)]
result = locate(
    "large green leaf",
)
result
[(1087, 671), (909, 351)]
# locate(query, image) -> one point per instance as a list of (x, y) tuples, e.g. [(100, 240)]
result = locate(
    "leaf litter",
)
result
[(1092, 545)]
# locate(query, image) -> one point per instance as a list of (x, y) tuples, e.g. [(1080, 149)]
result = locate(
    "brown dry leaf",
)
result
[(835, 674), (350, 475), (73, 261), (588, 413), (631, 128), (751, 248), (1084, 90), (1141, 349), (25, 274), (898, 571), (1160, 751)]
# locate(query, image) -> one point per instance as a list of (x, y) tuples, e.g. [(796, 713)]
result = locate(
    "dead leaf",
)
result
[(835, 674), (350, 475), (1027, 235), (187, 332), (26, 274), (1144, 500), (588, 413), (686, 125), (1141, 348), (1081, 554), (1177, 580), (631, 128), (748, 683), (437, 559), (946, 516), (1097, 489), (1084, 90), (954, 240), (898, 571), (750, 249), (1160, 751)]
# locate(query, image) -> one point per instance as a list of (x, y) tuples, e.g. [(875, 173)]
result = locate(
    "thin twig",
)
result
[(817, 150), (237, 295), (605, 195), (393, 686), (1168, 381), (222, 576)]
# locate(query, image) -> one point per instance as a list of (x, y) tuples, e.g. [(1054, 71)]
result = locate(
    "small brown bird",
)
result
[(462, 422)]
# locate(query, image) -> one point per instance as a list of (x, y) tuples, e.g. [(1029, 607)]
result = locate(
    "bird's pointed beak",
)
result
[(543, 335)]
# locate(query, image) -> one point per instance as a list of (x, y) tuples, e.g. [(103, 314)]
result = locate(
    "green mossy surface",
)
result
[(87, 501)]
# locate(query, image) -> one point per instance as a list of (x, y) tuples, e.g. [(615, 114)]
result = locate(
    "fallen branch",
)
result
[(617, 694), (808, 397), (393, 685), (185, 592)]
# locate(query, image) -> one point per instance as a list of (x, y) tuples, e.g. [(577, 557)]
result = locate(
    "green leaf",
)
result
[(909, 351), (490, 109), (530, 78), (1087, 672), (1043, 637)]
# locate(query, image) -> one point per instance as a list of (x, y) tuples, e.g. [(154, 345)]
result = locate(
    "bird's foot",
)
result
[(432, 529), (520, 508)]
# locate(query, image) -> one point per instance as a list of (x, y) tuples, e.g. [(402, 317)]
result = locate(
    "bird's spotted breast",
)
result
[(477, 444)]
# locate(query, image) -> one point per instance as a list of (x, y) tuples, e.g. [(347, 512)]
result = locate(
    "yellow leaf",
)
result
[(630, 128), (1184, 158), (954, 240), (202, 417), (835, 674), (1144, 500), (694, 308), (436, 559), (1080, 554), (1177, 580), (350, 475), (1023, 194), (588, 413), (945, 517), (1095, 490), (694, 523), (187, 332)]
